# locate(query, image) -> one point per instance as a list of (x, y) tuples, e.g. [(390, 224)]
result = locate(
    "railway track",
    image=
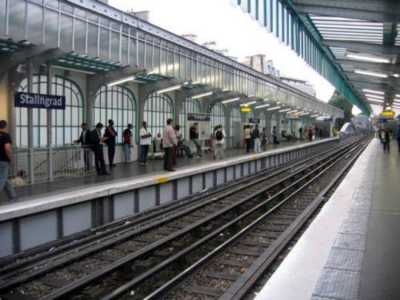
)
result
[(104, 266)]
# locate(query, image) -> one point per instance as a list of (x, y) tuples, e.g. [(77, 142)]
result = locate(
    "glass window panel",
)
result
[(92, 39), (80, 36), (35, 13), (66, 32)]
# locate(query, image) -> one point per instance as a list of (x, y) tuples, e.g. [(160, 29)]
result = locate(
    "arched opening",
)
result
[(189, 106), (65, 123), (116, 103), (157, 109)]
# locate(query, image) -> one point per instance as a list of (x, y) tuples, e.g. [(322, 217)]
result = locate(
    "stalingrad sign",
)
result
[(30, 100), (198, 117)]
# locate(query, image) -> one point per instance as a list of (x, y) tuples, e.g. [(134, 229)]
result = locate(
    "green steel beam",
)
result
[(308, 43)]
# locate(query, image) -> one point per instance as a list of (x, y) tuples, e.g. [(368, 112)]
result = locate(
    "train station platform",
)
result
[(351, 249), (122, 171), (67, 208)]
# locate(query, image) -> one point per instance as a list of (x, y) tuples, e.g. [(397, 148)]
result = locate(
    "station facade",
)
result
[(111, 65)]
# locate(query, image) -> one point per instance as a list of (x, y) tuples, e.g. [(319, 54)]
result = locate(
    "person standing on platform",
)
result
[(257, 139), (301, 133), (127, 142), (247, 138), (275, 136), (194, 137), (84, 141), (169, 141), (219, 135), (310, 134), (398, 137), (145, 142), (264, 139), (5, 160), (97, 147), (110, 137), (386, 141)]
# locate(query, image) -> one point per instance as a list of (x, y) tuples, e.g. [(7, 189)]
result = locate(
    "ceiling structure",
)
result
[(363, 37)]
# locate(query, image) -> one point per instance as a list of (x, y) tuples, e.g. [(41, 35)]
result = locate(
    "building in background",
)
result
[(301, 85)]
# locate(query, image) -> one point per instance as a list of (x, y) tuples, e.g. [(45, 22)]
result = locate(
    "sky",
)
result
[(231, 28)]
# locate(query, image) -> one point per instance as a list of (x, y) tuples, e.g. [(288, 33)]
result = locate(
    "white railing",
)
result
[(65, 162)]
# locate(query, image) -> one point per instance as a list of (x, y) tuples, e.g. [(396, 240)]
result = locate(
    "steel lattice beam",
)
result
[(372, 10), (350, 65), (364, 47)]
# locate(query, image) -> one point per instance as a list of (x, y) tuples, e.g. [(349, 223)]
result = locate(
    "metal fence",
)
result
[(65, 162)]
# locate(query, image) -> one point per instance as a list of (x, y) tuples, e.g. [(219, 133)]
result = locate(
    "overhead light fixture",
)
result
[(201, 95), (370, 73), (292, 111), (374, 96), (396, 75), (262, 106), (248, 103), (230, 100), (273, 108), (121, 81), (169, 89), (368, 58), (376, 100), (373, 92), (285, 110)]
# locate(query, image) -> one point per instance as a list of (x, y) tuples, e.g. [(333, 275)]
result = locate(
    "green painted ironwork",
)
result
[(299, 33)]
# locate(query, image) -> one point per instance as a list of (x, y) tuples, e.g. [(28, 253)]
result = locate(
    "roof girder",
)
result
[(372, 10)]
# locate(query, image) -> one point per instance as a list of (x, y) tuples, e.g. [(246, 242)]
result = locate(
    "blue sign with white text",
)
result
[(30, 100)]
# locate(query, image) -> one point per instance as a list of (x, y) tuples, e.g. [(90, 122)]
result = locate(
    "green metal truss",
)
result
[(281, 19)]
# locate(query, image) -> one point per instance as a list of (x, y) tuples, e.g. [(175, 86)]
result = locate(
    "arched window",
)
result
[(157, 109), (235, 122), (116, 103), (217, 115), (189, 106), (65, 123)]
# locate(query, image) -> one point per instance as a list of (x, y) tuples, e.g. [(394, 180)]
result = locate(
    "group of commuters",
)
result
[(256, 139)]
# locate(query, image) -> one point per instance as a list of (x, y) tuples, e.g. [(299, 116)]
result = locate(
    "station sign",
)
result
[(198, 117), (388, 114), (31, 100), (245, 109)]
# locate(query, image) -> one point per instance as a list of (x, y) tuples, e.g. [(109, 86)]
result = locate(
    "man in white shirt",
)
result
[(145, 142)]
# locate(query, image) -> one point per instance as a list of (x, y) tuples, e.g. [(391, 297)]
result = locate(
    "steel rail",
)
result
[(129, 233), (83, 282), (242, 286), (155, 270)]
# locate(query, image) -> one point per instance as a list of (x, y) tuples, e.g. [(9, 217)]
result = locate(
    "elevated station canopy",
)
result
[(363, 36), (352, 43)]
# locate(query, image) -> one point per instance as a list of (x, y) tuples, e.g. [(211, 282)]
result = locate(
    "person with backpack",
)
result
[(256, 138), (5, 160), (110, 137), (219, 135), (127, 142), (194, 138)]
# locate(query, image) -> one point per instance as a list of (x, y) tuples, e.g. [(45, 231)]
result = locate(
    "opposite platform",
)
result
[(47, 218), (350, 251)]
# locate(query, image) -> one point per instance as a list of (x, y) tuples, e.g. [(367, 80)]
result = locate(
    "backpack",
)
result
[(219, 135)]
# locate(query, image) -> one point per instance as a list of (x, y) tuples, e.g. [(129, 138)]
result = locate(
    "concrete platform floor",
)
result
[(351, 250), (121, 171)]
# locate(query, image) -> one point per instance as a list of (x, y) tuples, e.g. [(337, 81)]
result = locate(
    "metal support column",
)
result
[(31, 163), (50, 169)]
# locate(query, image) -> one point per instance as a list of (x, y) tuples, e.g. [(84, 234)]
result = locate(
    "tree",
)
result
[(345, 105)]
